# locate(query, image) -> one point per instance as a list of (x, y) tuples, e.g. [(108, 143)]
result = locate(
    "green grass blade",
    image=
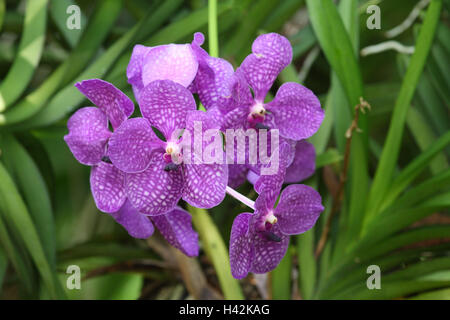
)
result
[(443, 294), (240, 43), (281, 278), (29, 54), (16, 212), (59, 16), (339, 51), (408, 174), (391, 149), (23, 269), (307, 264), (424, 137), (23, 168), (98, 28), (216, 251)]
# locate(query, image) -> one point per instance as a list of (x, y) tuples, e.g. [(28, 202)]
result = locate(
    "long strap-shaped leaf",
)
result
[(98, 28), (29, 54), (17, 213), (389, 156), (24, 170), (339, 51)]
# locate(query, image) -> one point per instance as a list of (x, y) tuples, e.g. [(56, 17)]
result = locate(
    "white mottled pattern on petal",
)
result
[(113, 102), (298, 209), (267, 252), (155, 191), (175, 62), (88, 135), (271, 185), (204, 183), (107, 186), (137, 224), (176, 227), (296, 111), (131, 145), (241, 247), (271, 54), (165, 104)]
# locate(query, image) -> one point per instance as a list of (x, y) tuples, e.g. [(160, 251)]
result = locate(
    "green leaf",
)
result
[(3, 266), (29, 54), (58, 13), (280, 278), (389, 156), (22, 266), (307, 264), (16, 212), (443, 294), (98, 28), (328, 157), (424, 137), (408, 174), (216, 251), (339, 51), (240, 42), (23, 168)]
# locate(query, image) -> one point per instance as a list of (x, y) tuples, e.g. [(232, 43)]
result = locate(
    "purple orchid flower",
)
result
[(301, 168), (259, 241), (89, 135), (158, 173), (88, 139), (176, 62), (295, 110)]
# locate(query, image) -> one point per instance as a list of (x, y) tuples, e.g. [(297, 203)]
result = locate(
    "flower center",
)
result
[(268, 221), (173, 153), (257, 113)]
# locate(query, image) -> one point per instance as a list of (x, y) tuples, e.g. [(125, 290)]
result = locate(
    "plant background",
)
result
[(394, 210)]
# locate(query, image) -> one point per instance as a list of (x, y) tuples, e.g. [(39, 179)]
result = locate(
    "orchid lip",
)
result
[(173, 153)]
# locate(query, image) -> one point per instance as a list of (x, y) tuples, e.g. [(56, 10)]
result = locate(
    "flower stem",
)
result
[(213, 37), (240, 197), (217, 252)]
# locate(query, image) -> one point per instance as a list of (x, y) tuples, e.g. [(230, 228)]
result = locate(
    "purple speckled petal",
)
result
[(214, 77), (165, 104), (271, 54), (176, 227), (241, 248), (268, 252), (113, 102), (304, 163), (107, 187), (134, 69), (236, 118), (138, 225), (176, 62), (88, 135), (154, 191), (296, 110), (204, 182), (132, 144), (298, 209), (271, 184), (237, 173)]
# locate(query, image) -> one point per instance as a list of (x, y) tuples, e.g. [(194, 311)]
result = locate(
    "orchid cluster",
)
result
[(140, 168)]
